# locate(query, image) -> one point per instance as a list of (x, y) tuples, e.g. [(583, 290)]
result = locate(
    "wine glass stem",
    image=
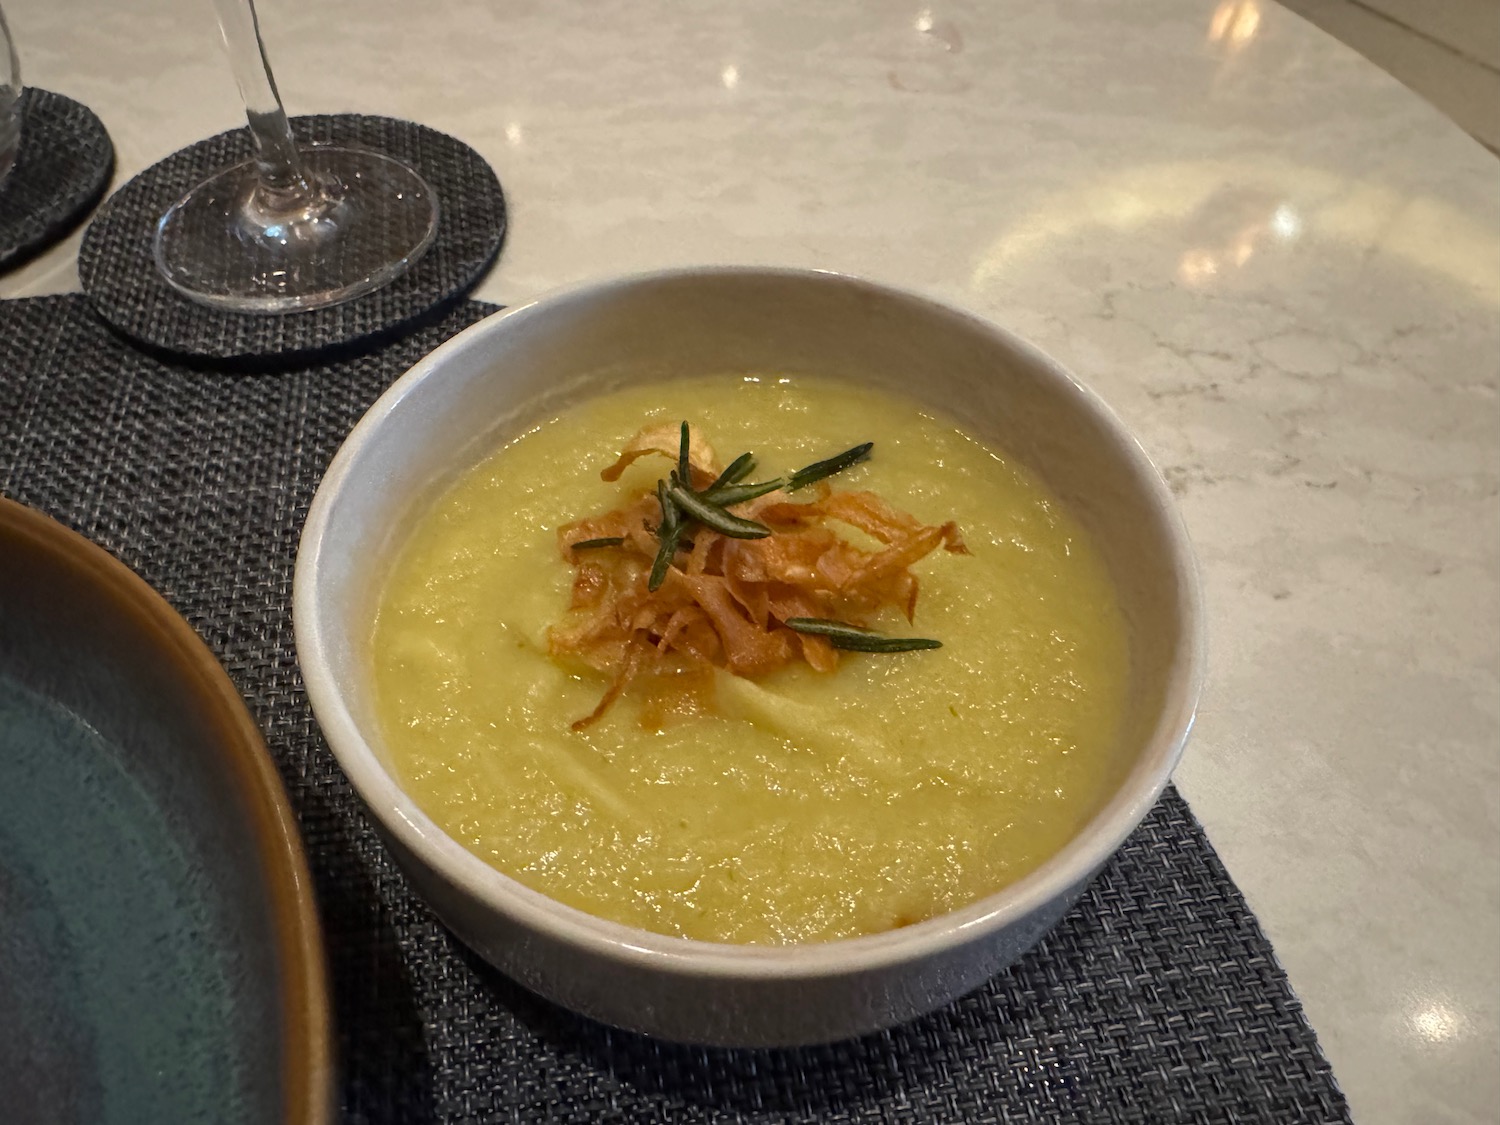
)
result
[(276, 152)]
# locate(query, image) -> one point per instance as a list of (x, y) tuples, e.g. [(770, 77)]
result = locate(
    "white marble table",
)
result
[(1278, 264)]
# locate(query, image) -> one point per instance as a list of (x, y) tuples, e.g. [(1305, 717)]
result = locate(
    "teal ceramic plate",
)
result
[(160, 958)]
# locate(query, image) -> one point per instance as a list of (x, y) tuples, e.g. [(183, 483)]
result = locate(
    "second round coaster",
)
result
[(119, 274), (61, 170)]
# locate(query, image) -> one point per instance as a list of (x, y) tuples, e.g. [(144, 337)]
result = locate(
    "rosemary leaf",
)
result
[(671, 518), (884, 644), (684, 461), (820, 469), (712, 516), (738, 493), (603, 541), (668, 534), (738, 470), (664, 556), (852, 638)]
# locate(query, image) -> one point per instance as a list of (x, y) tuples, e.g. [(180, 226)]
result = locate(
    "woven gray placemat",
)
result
[(119, 274), (61, 169), (1158, 999)]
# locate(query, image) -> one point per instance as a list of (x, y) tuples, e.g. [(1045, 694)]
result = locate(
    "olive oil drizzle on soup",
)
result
[(808, 806)]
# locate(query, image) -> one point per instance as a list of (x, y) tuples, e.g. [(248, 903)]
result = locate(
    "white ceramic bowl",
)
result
[(507, 372)]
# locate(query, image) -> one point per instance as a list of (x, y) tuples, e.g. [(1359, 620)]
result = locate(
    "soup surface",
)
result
[(800, 806)]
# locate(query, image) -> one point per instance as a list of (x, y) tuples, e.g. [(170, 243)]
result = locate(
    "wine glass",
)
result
[(298, 226)]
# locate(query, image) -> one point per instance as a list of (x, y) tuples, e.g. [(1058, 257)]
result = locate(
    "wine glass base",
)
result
[(233, 243)]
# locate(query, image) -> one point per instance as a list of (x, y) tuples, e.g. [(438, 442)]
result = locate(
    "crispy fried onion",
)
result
[(724, 601)]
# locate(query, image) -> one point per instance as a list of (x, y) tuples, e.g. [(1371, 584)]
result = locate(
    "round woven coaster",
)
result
[(61, 170), (120, 277)]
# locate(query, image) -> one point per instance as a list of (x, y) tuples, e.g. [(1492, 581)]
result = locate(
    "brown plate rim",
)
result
[(306, 1023)]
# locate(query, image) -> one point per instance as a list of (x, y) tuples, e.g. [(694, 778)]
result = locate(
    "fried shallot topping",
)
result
[(706, 572)]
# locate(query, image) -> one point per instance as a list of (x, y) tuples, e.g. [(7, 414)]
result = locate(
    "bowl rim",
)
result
[(305, 1016), (417, 833)]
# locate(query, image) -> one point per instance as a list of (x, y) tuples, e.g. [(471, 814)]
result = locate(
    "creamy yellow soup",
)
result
[(803, 806)]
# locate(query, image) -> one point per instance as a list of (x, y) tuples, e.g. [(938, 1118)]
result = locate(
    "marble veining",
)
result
[(1281, 267)]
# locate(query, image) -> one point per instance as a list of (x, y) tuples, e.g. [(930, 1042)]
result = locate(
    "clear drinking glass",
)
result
[(299, 226), (10, 100)]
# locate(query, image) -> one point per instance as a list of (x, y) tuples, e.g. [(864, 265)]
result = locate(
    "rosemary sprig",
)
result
[(595, 544), (680, 502), (727, 490), (738, 470), (852, 638), (733, 494), (712, 516), (668, 534), (820, 469)]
